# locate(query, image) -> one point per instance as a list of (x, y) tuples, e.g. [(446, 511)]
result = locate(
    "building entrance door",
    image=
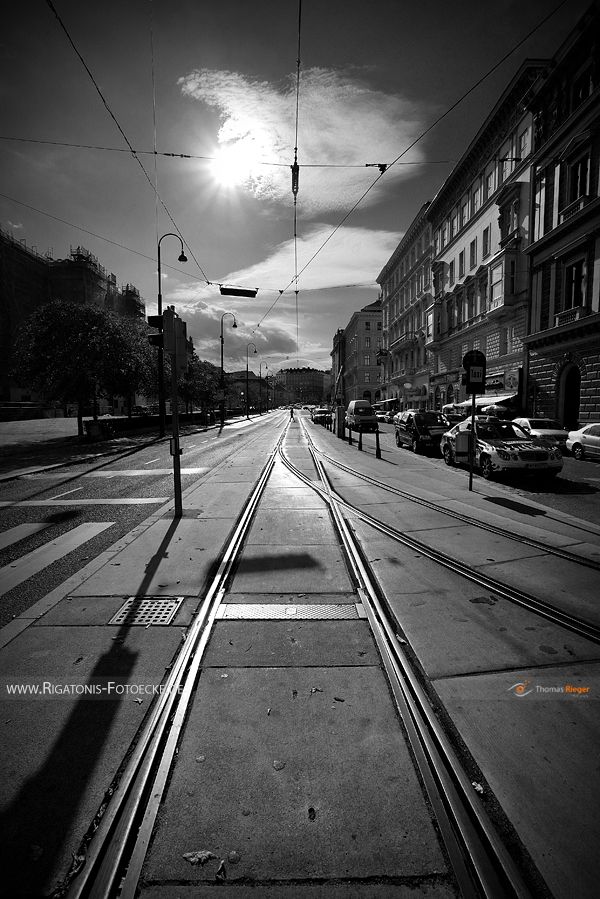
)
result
[(569, 396)]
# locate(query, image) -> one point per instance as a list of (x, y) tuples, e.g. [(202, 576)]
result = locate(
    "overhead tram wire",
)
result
[(125, 138), (295, 179), (383, 167), (156, 217)]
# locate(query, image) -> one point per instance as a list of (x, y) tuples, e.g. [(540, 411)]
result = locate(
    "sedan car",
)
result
[(321, 416), (421, 431), (501, 446), (585, 442), (548, 428)]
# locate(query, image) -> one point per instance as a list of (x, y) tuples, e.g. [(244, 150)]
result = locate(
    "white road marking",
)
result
[(74, 490), (144, 500), (14, 574), (13, 535), (116, 472), (152, 460)]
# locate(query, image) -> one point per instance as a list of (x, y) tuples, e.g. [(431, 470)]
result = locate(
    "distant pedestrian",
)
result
[(292, 412)]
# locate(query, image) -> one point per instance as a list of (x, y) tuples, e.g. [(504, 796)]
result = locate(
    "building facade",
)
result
[(480, 221), (29, 280), (406, 298), (355, 369), (307, 386), (563, 341)]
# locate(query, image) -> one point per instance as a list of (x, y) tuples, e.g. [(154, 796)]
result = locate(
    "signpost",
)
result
[(474, 365), (175, 343)]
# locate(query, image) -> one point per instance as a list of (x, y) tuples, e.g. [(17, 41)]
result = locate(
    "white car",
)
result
[(585, 442), (502, 446), (548, 428)]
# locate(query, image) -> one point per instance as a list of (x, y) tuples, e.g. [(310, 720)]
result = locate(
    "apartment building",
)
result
[(406, 297), (362, 339), (563, 341), (480, 221)]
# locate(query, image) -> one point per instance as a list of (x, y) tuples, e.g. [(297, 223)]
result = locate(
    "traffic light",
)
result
[(156, 321)]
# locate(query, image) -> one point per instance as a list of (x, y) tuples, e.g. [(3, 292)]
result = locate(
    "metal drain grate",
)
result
[(153, 610), (273, 610)]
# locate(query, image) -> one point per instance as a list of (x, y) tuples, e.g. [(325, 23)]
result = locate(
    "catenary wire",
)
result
[(120, 129)]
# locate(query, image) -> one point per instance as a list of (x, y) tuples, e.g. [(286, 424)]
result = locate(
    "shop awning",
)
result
[(488, 399)]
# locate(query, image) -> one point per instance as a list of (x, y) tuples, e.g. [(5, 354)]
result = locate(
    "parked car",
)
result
[(360, 416), (321, 416), (585, 442), (502, 446), (421, 431), (548, 428)]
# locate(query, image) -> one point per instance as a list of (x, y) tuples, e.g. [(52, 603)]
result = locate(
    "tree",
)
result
[(134, 367), (199, 385), (72, 352)]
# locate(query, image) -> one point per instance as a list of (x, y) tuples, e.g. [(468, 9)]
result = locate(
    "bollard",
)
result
[(349, 435), (377, 448), (360, 439)]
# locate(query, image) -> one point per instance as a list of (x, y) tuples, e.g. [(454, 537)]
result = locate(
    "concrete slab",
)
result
[(474, 546), (274, 527), (291, 643), (299, 497), (225, 502), (417, 888), (292, 599), (324, 789), (171, 558), (61, 751), (549, 786), (303, 569), (89, 611), (454, 626)]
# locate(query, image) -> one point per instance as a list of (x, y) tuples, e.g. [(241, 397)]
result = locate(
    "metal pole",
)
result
[(472, 442), (175, 430), (161, 363), (222, 402), (247, 407)]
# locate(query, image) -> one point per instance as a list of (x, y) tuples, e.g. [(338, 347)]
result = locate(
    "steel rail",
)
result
[(135, 801), (480, 860), (466, 519), (579, 626)]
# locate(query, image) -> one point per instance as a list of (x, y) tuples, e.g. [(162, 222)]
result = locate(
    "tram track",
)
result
[(480, 860)]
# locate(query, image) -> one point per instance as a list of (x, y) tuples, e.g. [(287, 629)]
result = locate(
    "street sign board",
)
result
[(474, 364)]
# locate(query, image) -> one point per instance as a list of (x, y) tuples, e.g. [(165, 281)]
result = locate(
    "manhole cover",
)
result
[(152, 610)]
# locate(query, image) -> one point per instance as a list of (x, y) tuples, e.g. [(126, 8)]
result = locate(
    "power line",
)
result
[(125, 138)]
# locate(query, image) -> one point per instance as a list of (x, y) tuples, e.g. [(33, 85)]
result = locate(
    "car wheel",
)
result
[(578, 452), (398, 441), (448, 457), (485, 464), (414, 445)]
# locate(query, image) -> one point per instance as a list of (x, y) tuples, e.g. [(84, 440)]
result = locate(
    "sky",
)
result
[(218, 86)]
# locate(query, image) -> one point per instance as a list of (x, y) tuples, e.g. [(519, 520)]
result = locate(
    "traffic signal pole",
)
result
[(175, 450)]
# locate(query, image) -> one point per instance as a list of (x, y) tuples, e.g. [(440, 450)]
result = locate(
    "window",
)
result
[(579, 178), (486, 242), (366, 360), (367, 326), (575, 276), (451, 273), (539, 208), (497, 284), (512, 277), (464, 212), (523, 144), (473, 253), (367, 342), (367, 377), (454, 226), (444, 236), (489, 184), (461, 264), (379, 326), (475, 198), (582, 87)]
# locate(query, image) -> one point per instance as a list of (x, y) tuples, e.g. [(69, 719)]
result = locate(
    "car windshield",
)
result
[(430, 418), (546, 424), (364, 410), (499, 430)]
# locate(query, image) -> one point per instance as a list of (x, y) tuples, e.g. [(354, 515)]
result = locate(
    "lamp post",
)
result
[(260, 387), (161, 358), (267, 385), (247, 385), (222, 401)]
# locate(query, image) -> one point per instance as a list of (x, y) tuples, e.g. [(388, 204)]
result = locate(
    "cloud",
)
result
[(16, 226), (342, 122), (339, 281)]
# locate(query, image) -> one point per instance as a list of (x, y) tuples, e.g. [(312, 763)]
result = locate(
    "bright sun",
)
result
[(233, 165)]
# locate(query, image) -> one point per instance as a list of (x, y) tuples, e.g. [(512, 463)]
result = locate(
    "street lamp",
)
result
[(260, 388), (255, 351), (161, 359), (222, 401), (267, 385)]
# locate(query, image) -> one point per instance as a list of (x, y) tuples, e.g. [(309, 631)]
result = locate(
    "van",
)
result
[(421, 431), (360, 416)]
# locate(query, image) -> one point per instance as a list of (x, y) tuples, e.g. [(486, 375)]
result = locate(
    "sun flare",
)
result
[(233, 165)]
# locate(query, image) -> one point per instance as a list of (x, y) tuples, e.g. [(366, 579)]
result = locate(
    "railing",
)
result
[(568, 316)]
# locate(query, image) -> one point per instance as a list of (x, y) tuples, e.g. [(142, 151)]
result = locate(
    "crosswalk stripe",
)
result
[(13, 535), (122, 501), (14, 574)]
